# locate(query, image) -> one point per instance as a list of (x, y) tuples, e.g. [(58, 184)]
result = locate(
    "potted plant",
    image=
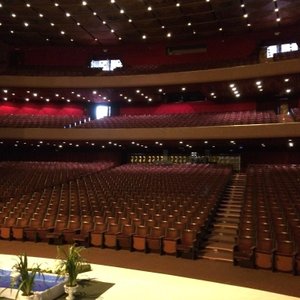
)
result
[(25, 278), (71, 264)]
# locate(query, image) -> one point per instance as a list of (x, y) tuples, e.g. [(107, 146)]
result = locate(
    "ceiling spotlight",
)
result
[(144, 37), (26, 24), (149, 8), (13, 15), (68, 14), (84, 3)]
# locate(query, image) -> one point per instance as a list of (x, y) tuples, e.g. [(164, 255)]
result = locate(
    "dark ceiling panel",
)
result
[(102, 23)]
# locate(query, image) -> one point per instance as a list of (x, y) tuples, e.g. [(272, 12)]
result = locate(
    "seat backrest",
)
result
[(22, 222), (141, 230), (172, 233), (188, 237), (61, 224), (73, 224), (157, 232), (99, 226), (113, 228), (86, 226), (265, 244), (285, 247), (127, 229), (35, 223)]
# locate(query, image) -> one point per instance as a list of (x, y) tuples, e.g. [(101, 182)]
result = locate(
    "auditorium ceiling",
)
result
[(114, 22), (108, 22)]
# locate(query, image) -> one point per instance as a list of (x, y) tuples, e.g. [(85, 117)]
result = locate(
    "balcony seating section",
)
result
[(296, 113), (130, 207), (183, 120), (269, 229), (42, 70), (40, 121)]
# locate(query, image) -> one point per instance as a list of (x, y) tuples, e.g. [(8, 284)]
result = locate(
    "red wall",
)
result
[(140, 54), (187, 107), (33, 109)]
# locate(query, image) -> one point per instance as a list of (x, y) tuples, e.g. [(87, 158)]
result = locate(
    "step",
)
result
[(226, 225), (216, 255), (219, 246), (222, 238), (230, 205), (233, 210), (220, 230), (225, 218)]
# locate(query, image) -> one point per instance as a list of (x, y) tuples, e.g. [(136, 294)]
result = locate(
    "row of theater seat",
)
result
[(296, 114), (184, 120), (269, 230), (40, 121), (175, 202), (23, 177)]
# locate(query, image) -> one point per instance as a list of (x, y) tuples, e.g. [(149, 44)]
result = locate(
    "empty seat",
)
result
[(125, 237), (110, 236), (18, 230), (139, 238), (264, 253), (187, 245), (170, 241), (83, 237), (243, 251), (284, 256), (97, 234), (154, 240)]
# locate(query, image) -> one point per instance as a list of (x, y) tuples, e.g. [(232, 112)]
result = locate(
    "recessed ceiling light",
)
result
[(84, 3), (56, 4), (278, 20), (62, 32), (68, 14), (286, 80), (129, 20), (41, 15), (13, 15), (149, 8), (144, 37), (26, 24), (122, 11), (28, 4)]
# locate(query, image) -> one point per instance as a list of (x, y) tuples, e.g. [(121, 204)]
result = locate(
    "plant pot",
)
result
[(70, 290)]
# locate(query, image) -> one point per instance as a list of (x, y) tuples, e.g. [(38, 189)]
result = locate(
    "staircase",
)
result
[(220, 241)]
